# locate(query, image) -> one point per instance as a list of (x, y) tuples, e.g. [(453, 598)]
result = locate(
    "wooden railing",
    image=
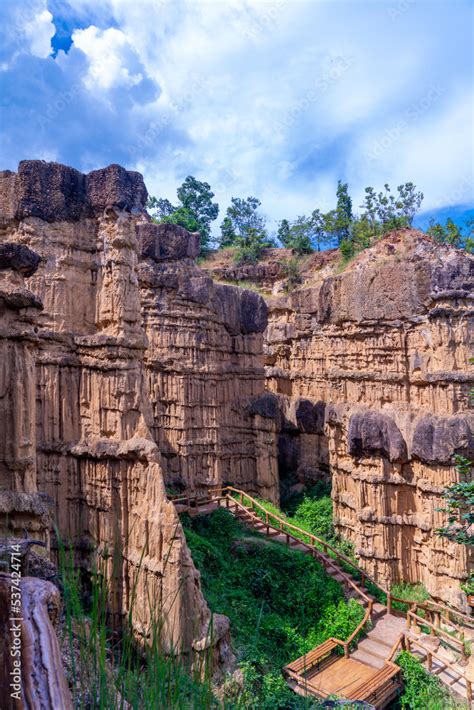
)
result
[(436, 610), (415, 619), (430, 655)]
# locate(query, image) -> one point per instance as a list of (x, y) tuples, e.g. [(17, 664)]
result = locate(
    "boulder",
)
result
[(18, 257), (163, 242), (437, 439), (372, 433)]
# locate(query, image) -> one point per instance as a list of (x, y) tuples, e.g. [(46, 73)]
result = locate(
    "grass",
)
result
[(423, 691), (280, 603), (312, 511), (109, 669)]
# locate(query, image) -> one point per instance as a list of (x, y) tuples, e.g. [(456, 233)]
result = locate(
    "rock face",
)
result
[(384, 347), (204, 368), (104, 361)]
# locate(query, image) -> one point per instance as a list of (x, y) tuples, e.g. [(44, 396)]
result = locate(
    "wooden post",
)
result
[(408, 620), (429, 661), (389, 603), (346, 650), (226, 501), (469, 691), (242, 498)]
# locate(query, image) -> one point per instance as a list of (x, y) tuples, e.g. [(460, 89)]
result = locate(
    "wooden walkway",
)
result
[(366, 672)]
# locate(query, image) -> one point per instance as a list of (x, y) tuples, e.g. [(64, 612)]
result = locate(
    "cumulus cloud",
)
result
[(274, 98)]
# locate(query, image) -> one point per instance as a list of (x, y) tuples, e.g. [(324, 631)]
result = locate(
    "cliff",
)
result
[(106, 356), (370, 363)]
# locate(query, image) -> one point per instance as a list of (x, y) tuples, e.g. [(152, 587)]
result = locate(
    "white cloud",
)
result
[(108, 52), (38, 29), (276, 98)]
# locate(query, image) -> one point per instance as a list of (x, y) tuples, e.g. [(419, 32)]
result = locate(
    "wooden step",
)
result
[(369, 645), (367, 658)]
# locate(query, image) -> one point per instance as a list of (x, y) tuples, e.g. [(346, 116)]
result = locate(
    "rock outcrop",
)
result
[(204, 367), (123, 367), (383, 346)]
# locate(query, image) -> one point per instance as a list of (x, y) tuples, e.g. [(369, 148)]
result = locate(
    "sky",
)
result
[(276, 98)]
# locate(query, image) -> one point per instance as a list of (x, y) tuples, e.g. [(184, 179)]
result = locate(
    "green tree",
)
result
[(436, 231), (459, 505), (228, 236), (283, 233), (250, 245), (408, 202), (196, 197), (319, 231), (343, 216), (298, 236), (244, 227), (184, 217), (454, 235), (160, 208)]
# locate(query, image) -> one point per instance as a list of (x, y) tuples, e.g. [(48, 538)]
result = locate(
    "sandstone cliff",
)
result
[(371, 366), (105, 359)]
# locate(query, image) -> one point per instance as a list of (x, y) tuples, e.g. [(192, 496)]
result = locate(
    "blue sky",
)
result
[(278, 99)]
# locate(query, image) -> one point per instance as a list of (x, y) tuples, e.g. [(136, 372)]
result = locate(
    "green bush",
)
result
[(422, 691), (280, 602)]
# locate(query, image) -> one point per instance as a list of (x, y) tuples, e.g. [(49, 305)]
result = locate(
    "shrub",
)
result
[(422, 691)]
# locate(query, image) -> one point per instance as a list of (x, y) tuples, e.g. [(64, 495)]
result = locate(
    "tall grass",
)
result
[(110, 668)]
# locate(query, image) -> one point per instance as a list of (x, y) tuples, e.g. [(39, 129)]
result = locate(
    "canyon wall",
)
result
[(106, 358), (371, 366), (205, 370)]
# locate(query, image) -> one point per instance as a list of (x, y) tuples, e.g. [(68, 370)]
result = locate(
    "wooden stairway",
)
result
[(367, 672)]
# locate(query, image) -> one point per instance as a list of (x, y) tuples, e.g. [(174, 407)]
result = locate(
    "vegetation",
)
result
[(459, 505), (280, 603), (452, 234), (109, 671), (422, 691), (291, 269), (195, 210), (244, 227)]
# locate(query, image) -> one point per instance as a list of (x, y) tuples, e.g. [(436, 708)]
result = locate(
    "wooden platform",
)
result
[(350, 679)]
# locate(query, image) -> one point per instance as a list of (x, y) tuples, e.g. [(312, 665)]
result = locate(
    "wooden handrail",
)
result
[(439, 632), (430, 606), (414, 642)]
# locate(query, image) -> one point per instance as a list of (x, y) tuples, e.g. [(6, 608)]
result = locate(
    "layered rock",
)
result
[(384, 348), (105, 361), (205, 369), (23, 508)]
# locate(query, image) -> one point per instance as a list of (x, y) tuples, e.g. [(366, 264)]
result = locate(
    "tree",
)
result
[(297, 235), (250, 245), (184, 217), (283, 233), (451, 234), (195, 210), (343, 217), (228, 236), (436, 231), (454, 235), (318, 224), (244, 227), (459, 506), (160, 208), (196, 197), (408, 202)]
